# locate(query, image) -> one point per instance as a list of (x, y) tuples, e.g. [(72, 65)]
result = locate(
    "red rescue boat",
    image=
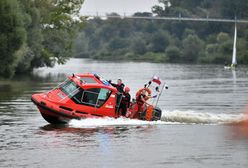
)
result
[(86, 96)]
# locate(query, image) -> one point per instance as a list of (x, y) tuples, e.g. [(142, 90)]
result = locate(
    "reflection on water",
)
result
[(63, 129), (199, 100)]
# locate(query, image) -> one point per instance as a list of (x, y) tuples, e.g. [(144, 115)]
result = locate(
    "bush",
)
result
[(173, 53), (193, 46)]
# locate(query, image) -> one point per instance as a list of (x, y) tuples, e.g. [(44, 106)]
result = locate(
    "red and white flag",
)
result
[(156, 79)]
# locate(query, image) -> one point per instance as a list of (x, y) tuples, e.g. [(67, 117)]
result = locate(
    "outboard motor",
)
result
[(157, 114), (151, 113)]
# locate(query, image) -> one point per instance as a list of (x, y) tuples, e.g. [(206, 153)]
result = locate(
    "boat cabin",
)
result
[(90, 94)]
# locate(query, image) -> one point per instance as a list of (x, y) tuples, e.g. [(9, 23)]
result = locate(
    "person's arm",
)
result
[(113, 84), (143, 100)]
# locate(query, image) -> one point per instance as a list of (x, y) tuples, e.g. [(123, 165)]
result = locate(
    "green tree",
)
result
[(159, 42), (222, 37), (173, 53), (192, 47), (220, 51), (12, 36), (117, 43), (232, 9), (31, 50), (61, 22), (139, 46), (173, 41), (211, 54), (51, 27)]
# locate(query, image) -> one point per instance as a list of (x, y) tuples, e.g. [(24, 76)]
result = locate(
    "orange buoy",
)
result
[(141, 90), (149, 113)]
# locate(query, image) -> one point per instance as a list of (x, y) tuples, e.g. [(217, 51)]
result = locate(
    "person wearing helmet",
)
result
[(125, 101)]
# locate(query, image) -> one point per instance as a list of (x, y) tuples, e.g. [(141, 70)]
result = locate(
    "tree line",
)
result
[(168, 41), (36, 33)]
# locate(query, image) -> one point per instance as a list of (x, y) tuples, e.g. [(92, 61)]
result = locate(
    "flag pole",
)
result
[(160, 95)]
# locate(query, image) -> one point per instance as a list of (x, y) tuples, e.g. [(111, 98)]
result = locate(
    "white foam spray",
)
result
[(191, 117), (107, 121), (168, 118)]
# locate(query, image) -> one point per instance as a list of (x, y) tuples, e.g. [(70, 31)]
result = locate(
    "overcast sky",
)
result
[(118, 6)]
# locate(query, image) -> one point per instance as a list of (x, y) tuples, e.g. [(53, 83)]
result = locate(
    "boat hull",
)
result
[(53, 116), (53, 113)]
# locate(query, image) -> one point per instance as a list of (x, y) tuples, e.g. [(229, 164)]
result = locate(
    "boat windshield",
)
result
[(87, 80), (70, 88), (104, 81)]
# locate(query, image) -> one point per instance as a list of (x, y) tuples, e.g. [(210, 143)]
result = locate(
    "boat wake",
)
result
[(102, 122), (191, 117), (168, 118)]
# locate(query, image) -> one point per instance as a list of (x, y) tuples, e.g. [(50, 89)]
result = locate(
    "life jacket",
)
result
[(141, 90), (139, 94)]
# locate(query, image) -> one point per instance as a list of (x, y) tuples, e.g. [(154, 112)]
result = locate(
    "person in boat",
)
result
[(125, 101), (119, 86), (142, 99)]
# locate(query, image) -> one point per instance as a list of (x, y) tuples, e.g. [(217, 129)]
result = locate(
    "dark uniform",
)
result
[(125, 103), (120, 87), (125, 100)]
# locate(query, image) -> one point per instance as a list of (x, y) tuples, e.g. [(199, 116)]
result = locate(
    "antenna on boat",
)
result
[(160, 93)]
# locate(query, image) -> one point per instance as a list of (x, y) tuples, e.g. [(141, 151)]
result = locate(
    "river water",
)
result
[(193, 132)]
